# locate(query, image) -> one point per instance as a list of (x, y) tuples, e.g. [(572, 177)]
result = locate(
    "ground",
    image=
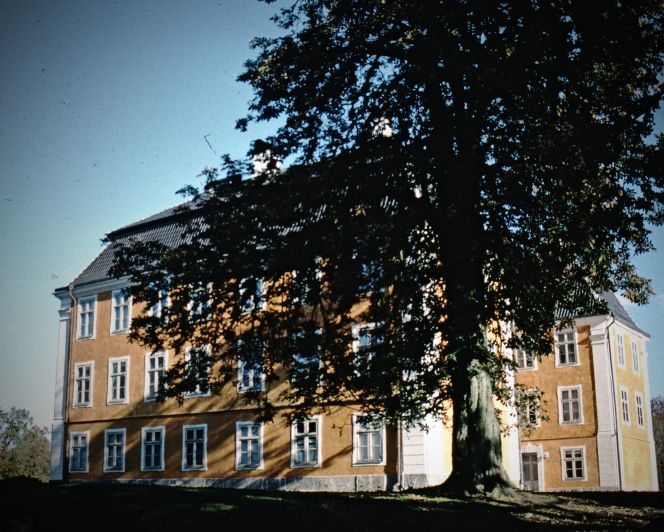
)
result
[(30, 505)]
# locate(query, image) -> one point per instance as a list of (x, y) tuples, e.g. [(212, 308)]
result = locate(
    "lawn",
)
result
[(28, 506)]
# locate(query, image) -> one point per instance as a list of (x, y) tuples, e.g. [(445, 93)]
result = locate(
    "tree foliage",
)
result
[(24, 447), (456, 166), (657, 409)]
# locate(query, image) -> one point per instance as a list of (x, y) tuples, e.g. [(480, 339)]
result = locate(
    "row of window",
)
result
[(567, 355), (121, 308), (305, 369), (306, 448), (250, 377), (570, 407), (622, 363), (120, 314)]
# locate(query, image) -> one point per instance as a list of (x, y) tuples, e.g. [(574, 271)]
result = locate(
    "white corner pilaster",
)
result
[(60, 400), (607, 437)]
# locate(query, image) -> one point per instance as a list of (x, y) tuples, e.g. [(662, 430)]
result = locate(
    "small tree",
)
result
[(24, 447), (461, 165)]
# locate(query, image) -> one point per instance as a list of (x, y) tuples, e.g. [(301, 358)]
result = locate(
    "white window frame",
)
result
[(360, 357), (529, 408), (109, 397), (199, 311), (379, 427), (72, 435), (126, 301), (319, 443), (79, 318), (563, 463), (525, 356), (107, 432), (560, 391), (163, 302), (238, 444), (144, 432), (620, 351), (625, 416), (187, 357), (636, 366), (257, 297), (575, 341), (147, 396), (640, 412), (82, 404), (301, 361), (185, 428), (241, 368)]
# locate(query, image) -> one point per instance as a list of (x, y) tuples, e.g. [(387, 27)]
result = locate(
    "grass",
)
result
[(28, 506)]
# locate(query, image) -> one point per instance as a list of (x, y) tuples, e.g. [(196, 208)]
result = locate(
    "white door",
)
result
[(529, 471)]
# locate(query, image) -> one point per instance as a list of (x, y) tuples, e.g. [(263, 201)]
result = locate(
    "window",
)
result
[(305, 371), (524, 360), (248, 445), (152, 448), (83, 384), (157, 310), (639, 410), (305, 443), (529, 413), (368, 441), (118, 377), (197, 372), (194, 447), (624, 404), (114, 448), (569, 400), (199, 306), (621, 351), (635, 358), (120, 311), (155, 368), (365, 340), (78, 448), (573, 463), (566, 354), (252, 295), (86, 317), (250, 377)]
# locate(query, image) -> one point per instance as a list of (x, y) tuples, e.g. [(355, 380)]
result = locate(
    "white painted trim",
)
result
[(636, 369), (147, 398), (537, 449), (624, 389), (87, 451), (637, 396), (238, 425), (240, 370), (562, 463), (161, 429), (112, 331), (355, 459), (559, 391), (94, 317), (319, 443), (184, 447), (648, 419), (577, 352), (124, 450), (187, 358), (107, 285), (58, 445), (75, 403), (525, 368), (109, 392)]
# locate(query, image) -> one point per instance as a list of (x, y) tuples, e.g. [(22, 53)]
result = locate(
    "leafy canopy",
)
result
[(454, 164)]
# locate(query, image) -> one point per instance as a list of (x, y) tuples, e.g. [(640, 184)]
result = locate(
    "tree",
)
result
[(24, 448), (456, 167), (657, 408)]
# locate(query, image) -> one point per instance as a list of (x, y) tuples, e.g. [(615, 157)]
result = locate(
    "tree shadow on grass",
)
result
[(29, 506)]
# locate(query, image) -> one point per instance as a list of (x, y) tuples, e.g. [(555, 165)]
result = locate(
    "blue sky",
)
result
[(104, 106)]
